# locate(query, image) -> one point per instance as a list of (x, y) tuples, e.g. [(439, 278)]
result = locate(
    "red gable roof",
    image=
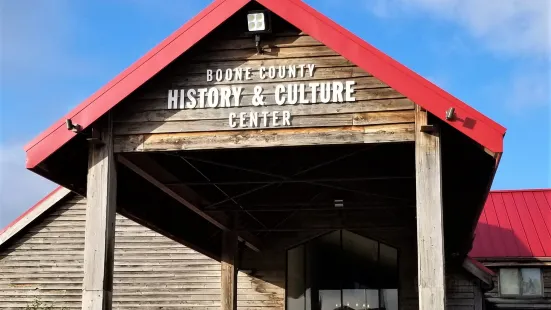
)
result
[(514, 224), (469, 121)]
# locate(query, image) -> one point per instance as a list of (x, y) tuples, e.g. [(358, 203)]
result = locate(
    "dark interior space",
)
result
[(342, 270)]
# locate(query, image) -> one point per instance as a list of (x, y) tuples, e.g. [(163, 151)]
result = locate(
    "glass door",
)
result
[(342, 270)]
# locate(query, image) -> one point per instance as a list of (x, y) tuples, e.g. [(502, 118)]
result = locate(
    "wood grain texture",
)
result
[(265, 138), (463, 292), (144, 122), (150, 270), (228, 287), (33, 214), (430, 232), (99, 232), (297, 121)]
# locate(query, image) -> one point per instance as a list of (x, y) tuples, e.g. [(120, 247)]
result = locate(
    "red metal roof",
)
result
[(435, 100), (514, 223)]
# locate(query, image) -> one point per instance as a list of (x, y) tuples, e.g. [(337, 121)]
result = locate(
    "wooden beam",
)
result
[(430, 230), (310, 209), (228, 293), (99, 232), (328, 228), (250, 240), (291, 181), (478, 270), (148, 163)]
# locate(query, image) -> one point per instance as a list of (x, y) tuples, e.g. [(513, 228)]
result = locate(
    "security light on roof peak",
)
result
[(258, 22)]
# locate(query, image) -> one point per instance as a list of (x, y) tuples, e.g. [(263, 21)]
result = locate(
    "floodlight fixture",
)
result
[(258, 23)]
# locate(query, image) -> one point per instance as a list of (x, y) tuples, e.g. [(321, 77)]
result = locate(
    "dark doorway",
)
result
[(342, 270)]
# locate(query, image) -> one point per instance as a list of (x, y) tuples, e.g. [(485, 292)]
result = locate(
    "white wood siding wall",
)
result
[(151, 271)]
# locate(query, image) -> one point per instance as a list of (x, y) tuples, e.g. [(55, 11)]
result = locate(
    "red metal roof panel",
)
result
[(514, 224)]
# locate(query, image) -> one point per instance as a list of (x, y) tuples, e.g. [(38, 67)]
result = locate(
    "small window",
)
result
[(525, 282)]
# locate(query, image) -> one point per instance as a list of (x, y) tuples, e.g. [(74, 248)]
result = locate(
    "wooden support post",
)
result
[(430, 233), (100, 224), (229, 271)]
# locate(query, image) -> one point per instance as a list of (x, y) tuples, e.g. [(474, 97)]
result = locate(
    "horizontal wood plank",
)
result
[(265, 138), (320, 62), (163, 115), (273, 53), (296, 121)]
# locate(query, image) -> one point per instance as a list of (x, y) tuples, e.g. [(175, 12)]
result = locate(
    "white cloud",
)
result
[(517, 27), (20, 189)]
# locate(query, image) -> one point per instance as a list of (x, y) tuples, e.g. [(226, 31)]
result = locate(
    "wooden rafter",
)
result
[(250, 240)]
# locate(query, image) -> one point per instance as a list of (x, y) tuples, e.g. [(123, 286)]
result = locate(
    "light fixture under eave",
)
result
[(258, 23)]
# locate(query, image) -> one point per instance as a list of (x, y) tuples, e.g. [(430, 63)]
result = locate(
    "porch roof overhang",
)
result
[(467, 125), (467, 120)]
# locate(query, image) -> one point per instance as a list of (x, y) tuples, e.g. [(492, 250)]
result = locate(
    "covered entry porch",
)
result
[(320, 222), (373, 154), (330, 224)]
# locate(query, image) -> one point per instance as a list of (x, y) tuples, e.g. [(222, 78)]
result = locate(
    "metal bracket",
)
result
[(76, 128), (257, 44), (93, 136), (450, 114), (427, 128)]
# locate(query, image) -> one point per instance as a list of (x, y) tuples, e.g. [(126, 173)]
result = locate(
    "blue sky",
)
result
[(493, 54)]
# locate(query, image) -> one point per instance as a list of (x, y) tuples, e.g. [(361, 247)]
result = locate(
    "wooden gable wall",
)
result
[(144, 122), (151, 271)]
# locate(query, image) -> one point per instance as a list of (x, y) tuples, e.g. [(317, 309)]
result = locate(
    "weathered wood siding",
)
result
[(463, 291), (144, 122), (151, 271), (265, 287), (154, 272)]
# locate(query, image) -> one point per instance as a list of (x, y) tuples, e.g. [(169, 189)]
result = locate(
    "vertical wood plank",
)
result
[(430, 234), (99, 232), (478, 296), (229, 272)]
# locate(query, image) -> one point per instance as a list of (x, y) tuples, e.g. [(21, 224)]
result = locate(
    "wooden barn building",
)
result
[(41, 257), (284, 148)]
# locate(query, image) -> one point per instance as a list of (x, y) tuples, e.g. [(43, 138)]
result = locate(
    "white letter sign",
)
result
[(289, 90)]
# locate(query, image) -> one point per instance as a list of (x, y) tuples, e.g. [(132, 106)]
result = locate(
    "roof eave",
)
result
[(32, 214)]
